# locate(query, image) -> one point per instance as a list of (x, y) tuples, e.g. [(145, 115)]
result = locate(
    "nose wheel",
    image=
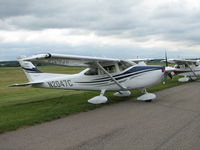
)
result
[(147, 97)]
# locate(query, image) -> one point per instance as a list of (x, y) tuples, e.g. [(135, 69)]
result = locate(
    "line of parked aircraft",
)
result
[(106, 74)]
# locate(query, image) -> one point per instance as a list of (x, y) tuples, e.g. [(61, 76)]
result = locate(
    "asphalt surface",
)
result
[(172, 122)]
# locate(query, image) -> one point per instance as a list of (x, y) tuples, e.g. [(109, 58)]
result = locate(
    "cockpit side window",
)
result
[(123, 66)]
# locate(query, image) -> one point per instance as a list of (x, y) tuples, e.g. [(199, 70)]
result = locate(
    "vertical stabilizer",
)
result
[(31, 72)]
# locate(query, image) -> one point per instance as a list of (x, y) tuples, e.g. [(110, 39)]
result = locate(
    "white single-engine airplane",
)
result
[(188, 68), (102, 74)]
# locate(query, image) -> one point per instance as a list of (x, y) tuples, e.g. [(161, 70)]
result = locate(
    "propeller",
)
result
[(168, 70)]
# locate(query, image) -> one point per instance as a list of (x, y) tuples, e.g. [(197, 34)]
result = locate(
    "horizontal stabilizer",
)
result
[(25, 84)]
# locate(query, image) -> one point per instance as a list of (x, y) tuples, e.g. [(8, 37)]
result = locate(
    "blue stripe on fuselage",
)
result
[(140, 68), (135, 70)]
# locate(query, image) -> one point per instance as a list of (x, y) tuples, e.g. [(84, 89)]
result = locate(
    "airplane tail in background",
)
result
[(31, 72)]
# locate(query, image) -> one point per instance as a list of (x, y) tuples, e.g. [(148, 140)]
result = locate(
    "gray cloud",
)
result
[(86, 50), (131, 19), (88, 14), (10, 51)]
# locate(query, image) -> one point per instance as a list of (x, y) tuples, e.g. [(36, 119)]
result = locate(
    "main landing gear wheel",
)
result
[(147, 97), (148, 101), (184, 79)]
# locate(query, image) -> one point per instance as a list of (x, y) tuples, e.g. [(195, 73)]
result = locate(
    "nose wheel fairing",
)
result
[(147, 97)]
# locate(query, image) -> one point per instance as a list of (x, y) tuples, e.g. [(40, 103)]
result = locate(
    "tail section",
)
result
[(31, 72), (35, 76)]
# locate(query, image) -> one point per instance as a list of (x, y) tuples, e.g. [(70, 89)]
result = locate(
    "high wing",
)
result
[(184, 61), (140, 61), (71, 60)]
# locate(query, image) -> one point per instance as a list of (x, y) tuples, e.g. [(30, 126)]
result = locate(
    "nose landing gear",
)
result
[(147, 97)]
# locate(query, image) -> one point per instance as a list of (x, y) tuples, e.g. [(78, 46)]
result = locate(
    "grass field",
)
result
[(24, 106)]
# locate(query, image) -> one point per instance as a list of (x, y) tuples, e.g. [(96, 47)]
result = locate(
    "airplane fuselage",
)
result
[(103, 74), (134, 77)]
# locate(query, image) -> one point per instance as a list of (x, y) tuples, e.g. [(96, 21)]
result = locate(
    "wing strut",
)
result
[(121, 86), (192, 70)]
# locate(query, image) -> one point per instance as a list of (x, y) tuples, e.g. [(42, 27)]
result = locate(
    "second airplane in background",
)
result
[(188, 68)]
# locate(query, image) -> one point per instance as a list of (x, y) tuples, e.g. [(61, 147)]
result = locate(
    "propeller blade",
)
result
[(166, 60)]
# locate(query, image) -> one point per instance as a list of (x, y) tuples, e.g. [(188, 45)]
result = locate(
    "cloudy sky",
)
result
[(104, 28)]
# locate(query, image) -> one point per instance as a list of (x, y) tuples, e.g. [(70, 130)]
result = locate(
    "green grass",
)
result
[(24, 106)]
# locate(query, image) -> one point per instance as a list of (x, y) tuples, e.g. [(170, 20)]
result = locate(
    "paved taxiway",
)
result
[(171, 122)]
